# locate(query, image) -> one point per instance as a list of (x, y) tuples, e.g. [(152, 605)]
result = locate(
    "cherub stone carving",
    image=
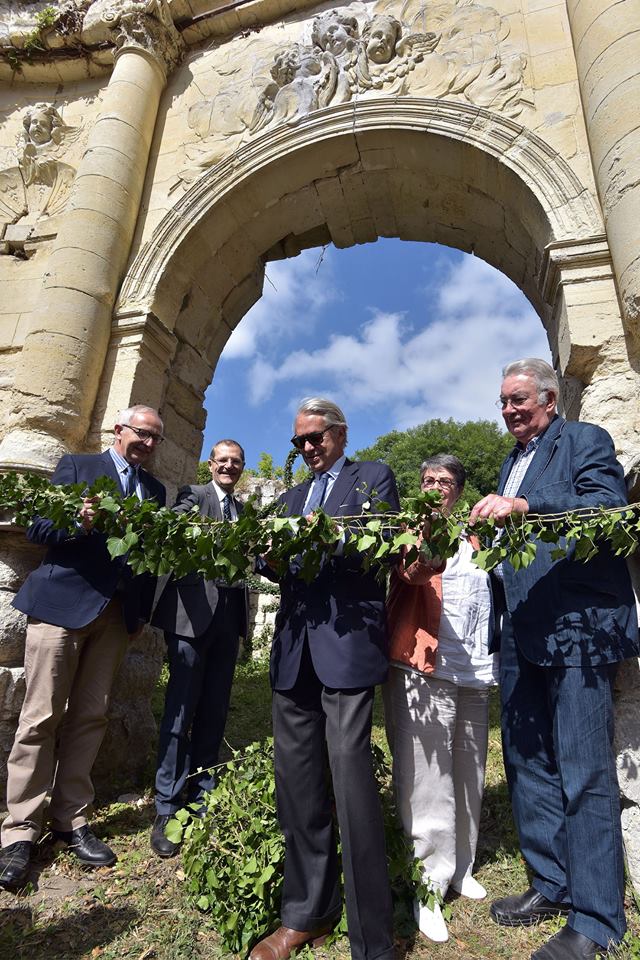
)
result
[(337, 35), (39, 186), (454, 49), (297, 86)]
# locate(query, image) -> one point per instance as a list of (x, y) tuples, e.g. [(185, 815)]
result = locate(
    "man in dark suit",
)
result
[(203, 622), (566, 626), (329, 652), (82, 607)]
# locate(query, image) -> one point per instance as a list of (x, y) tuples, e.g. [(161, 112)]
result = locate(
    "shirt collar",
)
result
[(220, 493), (334, 470), (122, 465)]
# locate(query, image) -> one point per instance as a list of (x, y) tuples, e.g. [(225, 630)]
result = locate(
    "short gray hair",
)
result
[(446, 461), (321, 407), (124, 416), (545, 377)]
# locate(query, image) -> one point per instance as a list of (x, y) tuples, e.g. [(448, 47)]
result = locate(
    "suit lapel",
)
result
[(344, 483), (542, 455), (295, 498), (110, 469), (215, 510)]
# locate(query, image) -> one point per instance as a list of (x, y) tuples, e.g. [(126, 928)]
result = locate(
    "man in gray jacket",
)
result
[(203, 622)]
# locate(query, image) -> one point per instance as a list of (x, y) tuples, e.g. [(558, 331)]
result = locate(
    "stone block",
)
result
[(13, 630), (12, 689)]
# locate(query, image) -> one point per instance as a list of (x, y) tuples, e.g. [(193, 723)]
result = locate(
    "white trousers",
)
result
[(438, 734)]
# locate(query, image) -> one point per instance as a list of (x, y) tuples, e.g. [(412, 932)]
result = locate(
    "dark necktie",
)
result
[(130, 479), (226, 507), (317, 493)]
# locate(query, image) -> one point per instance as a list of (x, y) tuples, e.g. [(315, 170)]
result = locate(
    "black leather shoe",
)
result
[(525, 909), (85, 846), (569, 945), (161, 844), (14, 864)]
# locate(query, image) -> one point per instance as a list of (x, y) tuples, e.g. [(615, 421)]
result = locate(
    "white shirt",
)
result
[(462, 655), (221, 494)]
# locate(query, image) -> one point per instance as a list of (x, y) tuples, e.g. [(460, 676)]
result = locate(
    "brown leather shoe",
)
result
[(281, 944)]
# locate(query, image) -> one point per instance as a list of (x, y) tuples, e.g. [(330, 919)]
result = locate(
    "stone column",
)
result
[(65, 349), (606, 40)]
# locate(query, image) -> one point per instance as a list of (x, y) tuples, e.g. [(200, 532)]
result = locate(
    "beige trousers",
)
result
[(438, 734), (55, 748)]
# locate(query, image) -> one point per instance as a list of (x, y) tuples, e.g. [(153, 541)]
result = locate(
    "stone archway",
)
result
[(413, 169)]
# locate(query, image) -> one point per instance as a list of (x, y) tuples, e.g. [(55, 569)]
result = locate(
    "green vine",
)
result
[(160, 541), (233, 850)]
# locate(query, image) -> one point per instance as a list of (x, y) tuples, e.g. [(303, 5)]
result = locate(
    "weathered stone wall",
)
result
[(154, 158)]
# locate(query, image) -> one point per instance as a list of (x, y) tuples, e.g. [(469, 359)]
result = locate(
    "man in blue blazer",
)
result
[(82, 606), (566, 626), (329, 652), (203, 621)]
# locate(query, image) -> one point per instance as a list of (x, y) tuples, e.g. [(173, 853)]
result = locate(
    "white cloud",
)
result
[(295, 292), (445, 364)]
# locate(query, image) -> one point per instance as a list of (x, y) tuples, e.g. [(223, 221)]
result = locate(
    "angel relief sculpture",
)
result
[(38, 187), (462, 56)]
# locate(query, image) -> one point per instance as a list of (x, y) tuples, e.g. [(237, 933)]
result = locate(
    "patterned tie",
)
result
[(317, 493), (130, 479), (226, 507)]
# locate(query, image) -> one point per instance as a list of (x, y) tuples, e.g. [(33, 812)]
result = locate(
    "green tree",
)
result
[(203, 474), (479, 444)]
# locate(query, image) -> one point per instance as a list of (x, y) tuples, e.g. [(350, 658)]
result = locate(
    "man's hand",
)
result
[(498, 508), (87, 513)]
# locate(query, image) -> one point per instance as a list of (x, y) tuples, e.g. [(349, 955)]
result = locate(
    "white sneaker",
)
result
[(431, 922), (469, 887)]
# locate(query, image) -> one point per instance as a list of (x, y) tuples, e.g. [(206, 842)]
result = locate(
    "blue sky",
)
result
[(395, 332)]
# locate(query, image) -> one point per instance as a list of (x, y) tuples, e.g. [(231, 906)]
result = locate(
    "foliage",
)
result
[(233, 849), (479, 444), (159, 541), (203, 473)]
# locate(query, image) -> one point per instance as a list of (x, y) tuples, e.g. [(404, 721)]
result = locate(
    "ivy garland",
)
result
[(159, 541)]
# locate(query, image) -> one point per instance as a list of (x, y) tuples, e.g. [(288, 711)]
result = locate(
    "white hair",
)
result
[(544, 376), (124, 416), (321, 407)]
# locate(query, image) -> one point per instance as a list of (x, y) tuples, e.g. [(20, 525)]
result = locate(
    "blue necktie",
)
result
[(317, 492), (130, 479), (226, 507)]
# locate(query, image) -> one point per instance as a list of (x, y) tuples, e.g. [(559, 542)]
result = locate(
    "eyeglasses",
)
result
[(516, 402), (228, 462), (444, 482), (315, 438), (144, 435)]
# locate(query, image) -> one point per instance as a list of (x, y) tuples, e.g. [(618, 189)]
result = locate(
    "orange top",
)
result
[(414, 606)]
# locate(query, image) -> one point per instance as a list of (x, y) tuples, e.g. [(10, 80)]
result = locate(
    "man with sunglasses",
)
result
[(566, 625), (329, 652), (82, 608), (203, 621)]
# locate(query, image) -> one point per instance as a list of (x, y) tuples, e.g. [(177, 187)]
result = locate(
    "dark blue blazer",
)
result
[(567, 612), (77, 577), (342, 611)]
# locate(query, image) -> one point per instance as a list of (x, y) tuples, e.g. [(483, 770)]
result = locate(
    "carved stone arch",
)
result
[(570, 209), (408, 168)]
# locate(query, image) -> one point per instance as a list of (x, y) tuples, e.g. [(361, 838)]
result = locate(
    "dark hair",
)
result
[(446, 461), (227, 443)]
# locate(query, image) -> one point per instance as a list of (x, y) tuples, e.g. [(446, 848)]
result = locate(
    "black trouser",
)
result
[(307, 720)]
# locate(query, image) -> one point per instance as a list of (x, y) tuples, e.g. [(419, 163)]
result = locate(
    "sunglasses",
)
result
[(315, 438)]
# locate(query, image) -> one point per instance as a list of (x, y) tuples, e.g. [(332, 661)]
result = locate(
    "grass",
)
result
[(138, 910)]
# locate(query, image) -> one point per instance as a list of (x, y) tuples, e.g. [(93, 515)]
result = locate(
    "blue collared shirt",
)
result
[(332, 474), (123, 468)]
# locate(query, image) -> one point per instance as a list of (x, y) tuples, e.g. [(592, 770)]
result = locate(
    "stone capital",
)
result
[(147, 28)]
